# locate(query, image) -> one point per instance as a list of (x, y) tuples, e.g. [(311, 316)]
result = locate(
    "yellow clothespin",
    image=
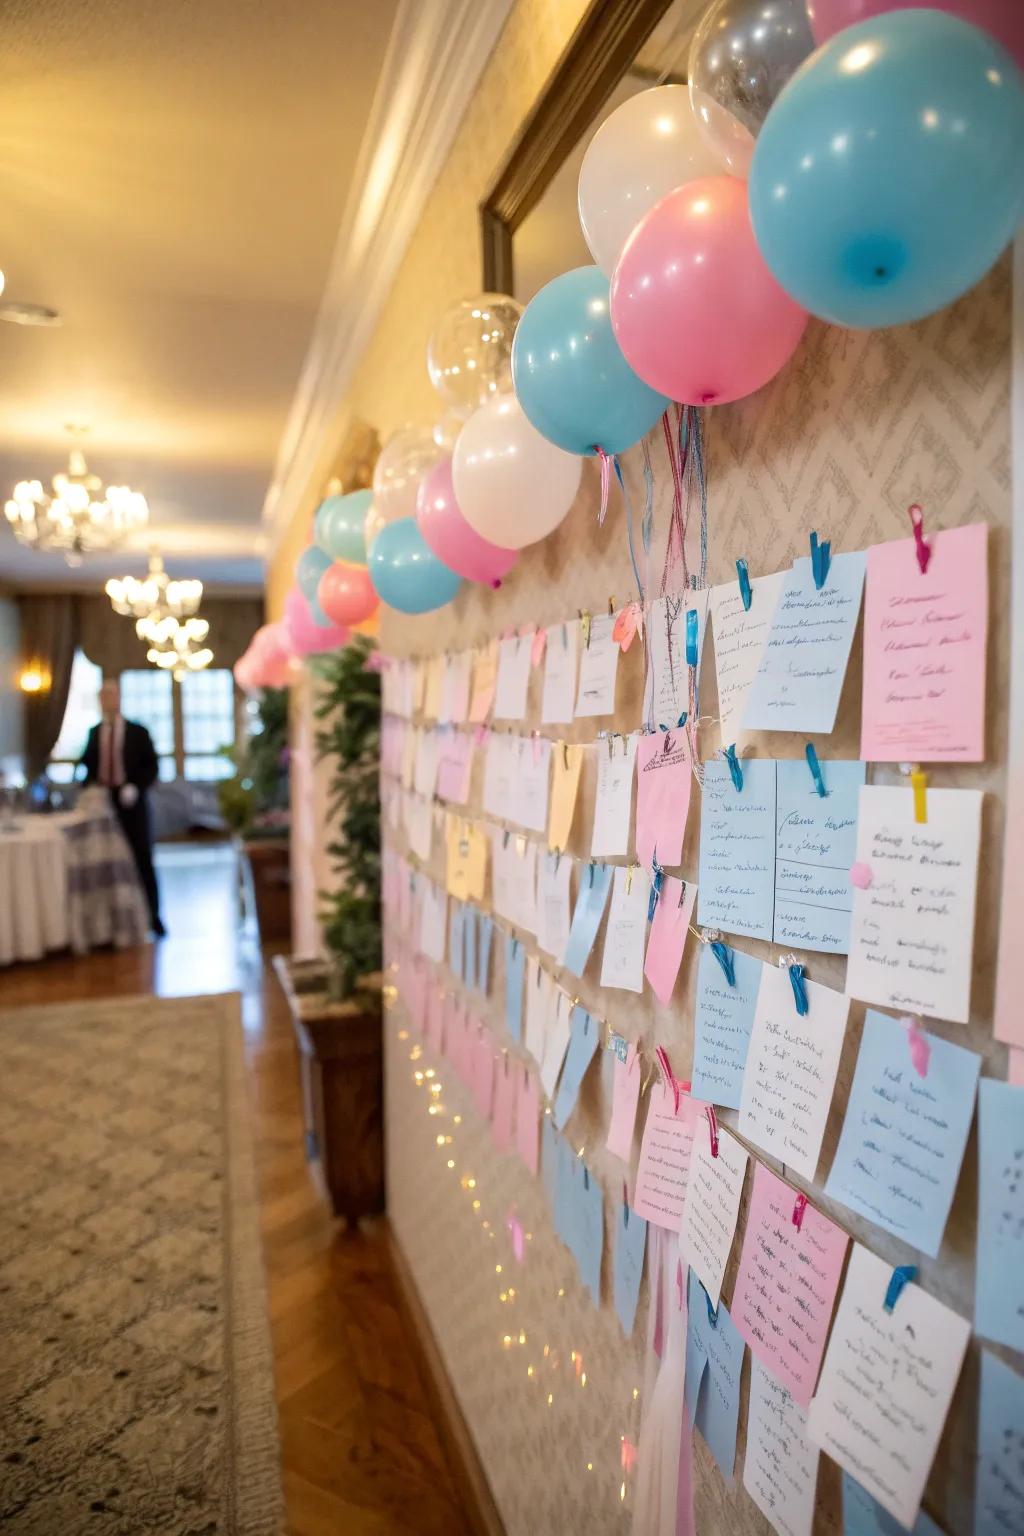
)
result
[(585, 626), (919, 784)]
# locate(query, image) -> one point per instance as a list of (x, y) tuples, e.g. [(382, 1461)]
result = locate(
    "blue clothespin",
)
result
[(735, 771), (656, 885), (815, 767), (712, 1314), (903, 1274), (796, 976), (744, 578), (691, 637), (724, 955), (821, 559)]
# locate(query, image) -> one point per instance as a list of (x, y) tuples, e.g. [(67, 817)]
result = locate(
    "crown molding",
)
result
[(434, 58)]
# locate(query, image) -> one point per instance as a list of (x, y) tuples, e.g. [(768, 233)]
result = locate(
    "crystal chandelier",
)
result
[(176, 645), (155, 597), (82, 514)]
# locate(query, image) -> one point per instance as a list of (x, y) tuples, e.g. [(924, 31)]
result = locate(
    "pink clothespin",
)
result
[(712, 1128), (626, 624), (920, 1050), (540, 640), (861, 875), (924, 548), (799, 1207), (480, 735), (666, 1070)]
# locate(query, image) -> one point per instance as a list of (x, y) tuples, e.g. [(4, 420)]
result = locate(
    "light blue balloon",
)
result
[(406, 573), (309, 567), (889, 174), (570, 376), (338, 526)]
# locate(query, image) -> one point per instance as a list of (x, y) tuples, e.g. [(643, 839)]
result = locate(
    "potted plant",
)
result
[(254, 804)]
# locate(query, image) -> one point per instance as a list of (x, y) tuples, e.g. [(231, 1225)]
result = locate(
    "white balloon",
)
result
[(648, 147), (404, 460), (512, 486)]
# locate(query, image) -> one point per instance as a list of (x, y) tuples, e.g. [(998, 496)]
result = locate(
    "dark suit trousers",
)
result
[(135, 825)]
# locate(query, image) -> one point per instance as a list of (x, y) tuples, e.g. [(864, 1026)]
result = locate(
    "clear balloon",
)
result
[(305, 636), (446, 430), (890, 176), (511, 484), (309, 567), (644, 150), (405, 571), (741, 56), (451, 538), (695, 309), (1004, 19), (469, 357), (338, 526), (346, 594), (404, 460)]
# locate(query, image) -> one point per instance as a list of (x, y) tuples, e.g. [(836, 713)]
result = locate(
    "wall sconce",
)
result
[(34, 679)]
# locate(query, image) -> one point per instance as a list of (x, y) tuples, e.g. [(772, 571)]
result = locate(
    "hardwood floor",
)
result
[(360, 1453)]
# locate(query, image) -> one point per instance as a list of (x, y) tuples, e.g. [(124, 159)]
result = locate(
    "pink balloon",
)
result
[(305, 637), (694, 307), (1004, 19), (447, 534), (346, 594)]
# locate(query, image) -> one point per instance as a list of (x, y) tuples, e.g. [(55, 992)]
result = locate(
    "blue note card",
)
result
[(999, 1488), (714, 1402), (483, 955), (999, 1282), (595, 881), (583, 1042), (816, 842), (470, 916), (515, 968), (550, 1142), (736, 883), (589, 1231), (862, 1516), (903, 1138), (723, 1019), (630, 1246), (803, 664), (455, 929)]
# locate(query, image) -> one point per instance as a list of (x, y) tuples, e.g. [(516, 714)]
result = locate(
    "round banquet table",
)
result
[(67, 881)]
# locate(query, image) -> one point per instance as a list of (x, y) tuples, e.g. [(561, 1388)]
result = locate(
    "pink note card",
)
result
[(668, 936), (528, 1118), (924, 650), (438, 1006), (786, 1286), (504, 1108), (664, 1166), (625, 1095), (483, 1072), (664, 776)]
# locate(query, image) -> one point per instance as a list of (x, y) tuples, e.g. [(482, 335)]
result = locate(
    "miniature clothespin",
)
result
[(733, 764), (815, 767), (709, 1110), (919, 784), (585, 626), (661, 1056), (902, 1275), (799, 985), (712, 1314), (861, 875), (923, 545), (590, 872), (540, 640), (724, 955), (657, 882), (920, 1050), (744, 579), (799, 1207), (625, 1204), (691, 637), (821, 559), (682, 896)]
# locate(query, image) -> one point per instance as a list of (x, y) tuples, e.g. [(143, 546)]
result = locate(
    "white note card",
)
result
[(622, 964), (780, 1470), (791, 1069), (613, 803), (599, 663), (740, 637), (554, 914), (667, 685), (712, 1206), (514, 659), (559, 696), (886, 1384), (912, 932), (532, 779)]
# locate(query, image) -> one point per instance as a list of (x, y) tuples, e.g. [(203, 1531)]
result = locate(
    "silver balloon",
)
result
[(741, 56), (469, 356)]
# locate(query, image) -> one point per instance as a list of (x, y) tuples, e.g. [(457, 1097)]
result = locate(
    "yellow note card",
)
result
[(485, 678), (434, 687), (466, 863), (419, 683), (567, 762)]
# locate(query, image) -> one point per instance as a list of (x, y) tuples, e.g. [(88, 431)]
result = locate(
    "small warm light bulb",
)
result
[(622, 1493), (522, 1337), (476, 1205), (441, 1140), (456, 1119), (497, 1269), (590, 1466), (529, 1370), (451, 1162), (551, 1398)]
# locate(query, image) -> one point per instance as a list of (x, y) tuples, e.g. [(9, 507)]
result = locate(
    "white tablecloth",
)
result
[(67, 881)]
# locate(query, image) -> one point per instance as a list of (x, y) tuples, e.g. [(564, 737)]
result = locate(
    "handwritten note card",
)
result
[(999, 1491), (664, 1168), (622, 963), (559, 695), (791, 1069), (564, 787), (816, 843), (780, 1469), (515, 962), (504, 1108), (894, 1369), (584, 1038), (786, 1286), (614, 799), (528, 1118), (667, 939), (723, 1019), (912, 934), (625, 1096), (455, 688), (553, 908), (864, 1516), (903, 1137), (588, 1247), (514, 655), (541, 992), (664, 776), (740, 638), (999, 1283), (595, 883), (667, 685), (529, 807), (630, 1246), (714, 1366), (737, 849), (712, 1206), (454, 766), (924, 650), (485, 676), (803, 665), (599, 662)]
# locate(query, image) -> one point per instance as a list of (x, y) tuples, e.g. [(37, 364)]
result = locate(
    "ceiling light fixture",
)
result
[(81, 516), (176, 645), (154, 597)]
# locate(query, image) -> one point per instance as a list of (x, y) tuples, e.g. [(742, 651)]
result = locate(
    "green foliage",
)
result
[(254, 802), (348, 734)]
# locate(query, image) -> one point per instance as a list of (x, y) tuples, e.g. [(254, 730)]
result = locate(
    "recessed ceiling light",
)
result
[(30, 314)]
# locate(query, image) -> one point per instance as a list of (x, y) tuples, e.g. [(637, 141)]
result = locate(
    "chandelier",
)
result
[(176, 645), (155, 597), (82, 514)]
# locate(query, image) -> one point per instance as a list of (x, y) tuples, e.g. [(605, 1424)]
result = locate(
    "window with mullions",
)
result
[(208, 722)]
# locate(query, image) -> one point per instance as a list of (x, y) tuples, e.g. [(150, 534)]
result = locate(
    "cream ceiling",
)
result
[(172, 177)]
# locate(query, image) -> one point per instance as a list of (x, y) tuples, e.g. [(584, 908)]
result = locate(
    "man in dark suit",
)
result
[(120, 755)]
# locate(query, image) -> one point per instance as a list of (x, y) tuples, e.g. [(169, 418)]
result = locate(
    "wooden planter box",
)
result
[(342, 1071), (269, 864)]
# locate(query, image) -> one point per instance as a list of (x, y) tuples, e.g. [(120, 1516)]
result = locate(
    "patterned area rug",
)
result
[(136, 1379)]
